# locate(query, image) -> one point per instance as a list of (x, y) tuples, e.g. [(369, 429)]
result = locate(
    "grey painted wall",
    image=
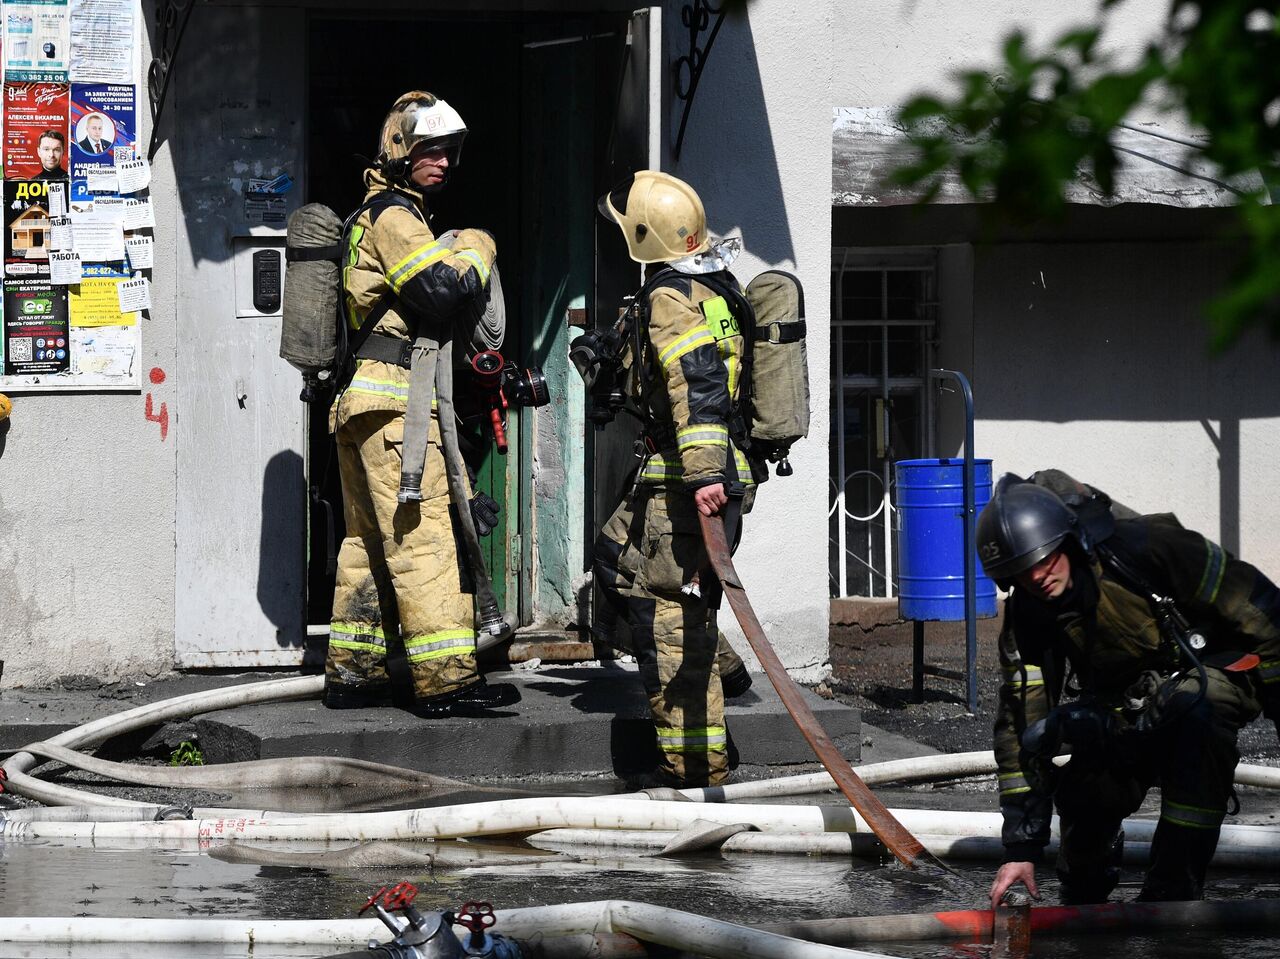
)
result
[(758, 150)]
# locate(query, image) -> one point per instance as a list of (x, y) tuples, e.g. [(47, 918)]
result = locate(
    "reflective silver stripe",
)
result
[(1013, 783), (706, 739), (703, 434), (449, 642), (1214, 568), (415, 263), (1020, 676), (1197, 817), (476, 260), (686, 344), (357, 637), (395, 391), (656, 467)]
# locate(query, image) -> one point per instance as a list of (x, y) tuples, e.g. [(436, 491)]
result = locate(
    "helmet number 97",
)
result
[(691, 241)]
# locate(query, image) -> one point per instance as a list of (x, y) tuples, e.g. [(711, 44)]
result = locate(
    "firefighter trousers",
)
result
[(646, 554), (399, 576), (1192, 759)]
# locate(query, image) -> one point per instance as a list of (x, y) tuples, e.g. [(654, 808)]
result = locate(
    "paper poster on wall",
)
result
[(105, 356), (102, 128), (28, 229), (37, 40), (35, 130), (102, 41), (95, 301), (36, 329)]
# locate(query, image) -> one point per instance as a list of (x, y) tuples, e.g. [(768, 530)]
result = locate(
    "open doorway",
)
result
[(539, 94)]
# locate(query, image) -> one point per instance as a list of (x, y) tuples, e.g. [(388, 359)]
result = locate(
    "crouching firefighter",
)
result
[(404, 568), (1168, 644), (675, 360)]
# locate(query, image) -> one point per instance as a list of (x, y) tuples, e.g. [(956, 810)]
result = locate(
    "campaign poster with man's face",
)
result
[(102, 131), (35, 131)]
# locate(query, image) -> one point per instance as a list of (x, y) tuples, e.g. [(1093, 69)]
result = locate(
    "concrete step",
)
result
[(573, 721)]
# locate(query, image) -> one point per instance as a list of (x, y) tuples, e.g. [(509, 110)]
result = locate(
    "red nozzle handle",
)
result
[(476, 916), (499, 431)]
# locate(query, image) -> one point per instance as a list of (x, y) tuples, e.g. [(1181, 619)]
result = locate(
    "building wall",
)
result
[(1094, 358), (87, 504), (758, 149)]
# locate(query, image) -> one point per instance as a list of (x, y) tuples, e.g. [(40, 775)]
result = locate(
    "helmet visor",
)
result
[(614, 203), (422, 126)]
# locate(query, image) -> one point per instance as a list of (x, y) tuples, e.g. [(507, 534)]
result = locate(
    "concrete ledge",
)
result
[(573, 721)]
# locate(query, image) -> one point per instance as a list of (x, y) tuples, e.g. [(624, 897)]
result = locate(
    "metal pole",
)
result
[(917, 661), (970, 521)]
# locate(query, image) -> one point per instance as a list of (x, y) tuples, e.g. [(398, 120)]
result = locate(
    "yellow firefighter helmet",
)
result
[(661, 217)]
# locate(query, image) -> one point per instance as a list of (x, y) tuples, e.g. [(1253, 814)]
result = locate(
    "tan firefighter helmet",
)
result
[(416, 118), (661, 217)]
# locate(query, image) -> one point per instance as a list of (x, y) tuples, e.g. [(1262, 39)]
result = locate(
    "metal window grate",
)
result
[(884, 331)]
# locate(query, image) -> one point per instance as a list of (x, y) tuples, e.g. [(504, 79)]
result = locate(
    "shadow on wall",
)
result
[(1117, 332), (728, 132), (4, 435), (283, 489)]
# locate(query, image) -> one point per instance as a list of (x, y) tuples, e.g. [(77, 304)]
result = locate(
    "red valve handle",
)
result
[(476, 916), (371, 900), (400, 895), (397, 897)]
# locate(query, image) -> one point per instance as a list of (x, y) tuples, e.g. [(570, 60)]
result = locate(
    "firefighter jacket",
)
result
[(393, 253), (1104, 634), (691, 382)]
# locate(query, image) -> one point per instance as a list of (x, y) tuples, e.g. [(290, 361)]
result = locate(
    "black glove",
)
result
[(484, 513)]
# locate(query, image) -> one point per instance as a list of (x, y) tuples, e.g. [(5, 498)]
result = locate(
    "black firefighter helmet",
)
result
[(1021, 525)]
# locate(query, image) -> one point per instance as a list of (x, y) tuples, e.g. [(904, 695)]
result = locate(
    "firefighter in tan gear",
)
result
[(650, 561), (399, 574)]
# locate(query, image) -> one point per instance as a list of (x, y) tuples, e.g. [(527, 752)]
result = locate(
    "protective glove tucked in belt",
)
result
[(484, 513)]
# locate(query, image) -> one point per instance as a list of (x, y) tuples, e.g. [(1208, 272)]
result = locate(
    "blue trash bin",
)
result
[(930, 503)]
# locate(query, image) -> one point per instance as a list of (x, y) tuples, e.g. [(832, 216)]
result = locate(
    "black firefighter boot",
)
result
[(362, 696), (1088, 862), (475, 700), (1180, 858)]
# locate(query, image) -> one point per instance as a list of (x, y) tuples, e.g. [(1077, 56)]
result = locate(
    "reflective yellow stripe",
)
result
[(475, 259), (698, 740), (1013, 783), (731, 365), (1269, 670), (657, 467), (415, 263), (700, 336), (1196, 817), (703, 434), (359, 637), (743, 468), (449, 642), (1214, 568), (1024, 677)]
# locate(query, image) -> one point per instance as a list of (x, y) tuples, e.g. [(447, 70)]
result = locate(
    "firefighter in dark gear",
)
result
[(650, 561), (399, 575), (1173, 646)]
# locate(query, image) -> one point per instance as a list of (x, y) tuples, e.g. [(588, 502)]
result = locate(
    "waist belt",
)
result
[(387, 349)]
